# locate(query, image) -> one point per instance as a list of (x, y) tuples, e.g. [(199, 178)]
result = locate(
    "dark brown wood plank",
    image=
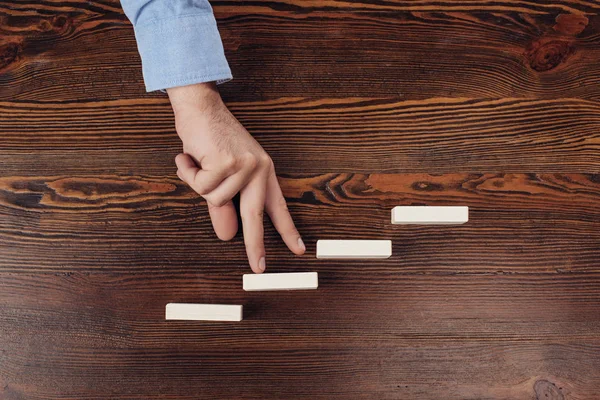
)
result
[(430, 335), (507, 370), (580, 7), (520, 223), (441, 135), (414, 55), (363, 105), (408, 306), (373, 49)]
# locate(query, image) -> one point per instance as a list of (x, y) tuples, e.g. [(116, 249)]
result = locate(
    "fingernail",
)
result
[(262, 264), (301, 244)]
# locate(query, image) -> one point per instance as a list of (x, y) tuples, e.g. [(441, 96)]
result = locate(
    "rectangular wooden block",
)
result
[(354, 248), (287, 281), (203, 312), (425, 215)]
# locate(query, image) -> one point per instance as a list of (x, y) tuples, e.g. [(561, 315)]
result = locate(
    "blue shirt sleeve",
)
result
[(178, 41)]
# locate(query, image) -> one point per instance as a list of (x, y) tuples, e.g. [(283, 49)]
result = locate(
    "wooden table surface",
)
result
[(363, 105)]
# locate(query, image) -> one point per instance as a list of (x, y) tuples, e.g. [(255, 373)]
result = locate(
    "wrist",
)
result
[(199, 97)]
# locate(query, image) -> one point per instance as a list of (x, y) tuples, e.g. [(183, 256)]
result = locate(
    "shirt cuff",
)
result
[(181, 51)]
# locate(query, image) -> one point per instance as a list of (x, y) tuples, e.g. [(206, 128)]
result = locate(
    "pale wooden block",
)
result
[(425, 215), (286, 281), (354, 248), (203, 312)]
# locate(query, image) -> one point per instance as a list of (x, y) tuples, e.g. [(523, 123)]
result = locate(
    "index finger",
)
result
[(252, 207)]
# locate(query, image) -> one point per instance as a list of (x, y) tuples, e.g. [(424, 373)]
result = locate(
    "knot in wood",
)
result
[(8, 54), (546, 390), (547, 55), (59, 21), (427, 186)]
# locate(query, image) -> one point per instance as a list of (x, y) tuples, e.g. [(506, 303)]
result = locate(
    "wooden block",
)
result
[(430, 215), (287, 281), (203, 312), (354, 248)]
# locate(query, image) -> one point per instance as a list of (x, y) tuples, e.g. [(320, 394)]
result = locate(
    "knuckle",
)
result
[(203, 186), (254, 213), (229, 163), (200, 188), (265, 161), (291, 233), (254, 246), (251, 161), (217, 201)]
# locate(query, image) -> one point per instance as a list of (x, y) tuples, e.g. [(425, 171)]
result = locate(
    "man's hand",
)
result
[(220, 158)]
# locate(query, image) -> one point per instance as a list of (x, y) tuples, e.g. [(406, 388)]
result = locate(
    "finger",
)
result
[(252, 204), (224, 220), (228, 188), (277, 209), (201, 181)]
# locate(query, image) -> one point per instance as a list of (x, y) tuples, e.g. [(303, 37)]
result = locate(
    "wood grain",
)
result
[(539, 223), (438, 332), (363, 105), (380, 49), (440, 135)]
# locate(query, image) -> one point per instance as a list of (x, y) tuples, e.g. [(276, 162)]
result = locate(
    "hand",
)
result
[(220, 158)]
